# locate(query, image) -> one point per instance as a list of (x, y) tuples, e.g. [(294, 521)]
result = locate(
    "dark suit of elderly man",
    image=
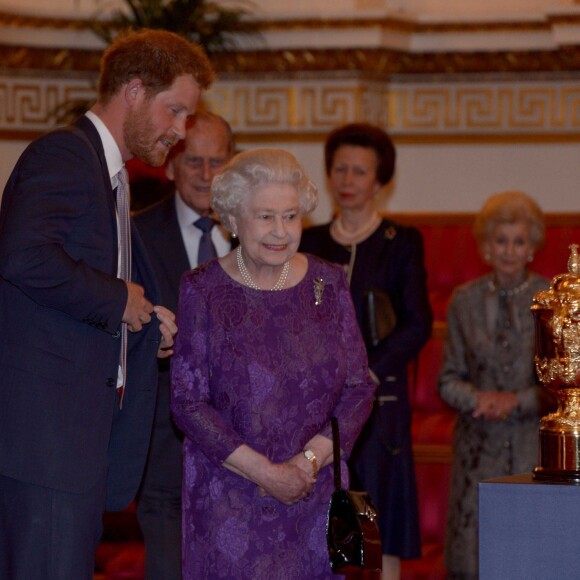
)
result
[(173, 243), (75, 413)]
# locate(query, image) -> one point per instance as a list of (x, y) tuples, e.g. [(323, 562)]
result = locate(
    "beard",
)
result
[(141, 139)]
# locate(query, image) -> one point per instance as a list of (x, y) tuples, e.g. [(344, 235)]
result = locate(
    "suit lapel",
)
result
[(93, 137), (169, 246)]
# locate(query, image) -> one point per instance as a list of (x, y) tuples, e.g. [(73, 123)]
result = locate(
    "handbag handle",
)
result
[(336, 451)]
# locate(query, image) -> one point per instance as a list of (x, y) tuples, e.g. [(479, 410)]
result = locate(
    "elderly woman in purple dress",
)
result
[(268, 351)]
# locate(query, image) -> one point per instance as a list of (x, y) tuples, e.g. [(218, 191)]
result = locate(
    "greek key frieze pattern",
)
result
[(30, 104), (284, 107), (309, 107), (485, 109), (405, 109)]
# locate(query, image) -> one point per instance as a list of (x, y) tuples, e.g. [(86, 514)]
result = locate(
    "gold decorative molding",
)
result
[(50, 59), (387, 23), (405, 108), (376, 61), (409, 25), (381, 63), (27, 105), (278, 106), (14, 20), (369, 63), (464, 108), (306, 109)]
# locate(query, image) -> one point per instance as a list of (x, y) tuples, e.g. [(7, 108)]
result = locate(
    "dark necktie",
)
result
[(124, 261), (206, 247)]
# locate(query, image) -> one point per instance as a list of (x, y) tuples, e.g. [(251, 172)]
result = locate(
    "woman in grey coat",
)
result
[(488, 372)]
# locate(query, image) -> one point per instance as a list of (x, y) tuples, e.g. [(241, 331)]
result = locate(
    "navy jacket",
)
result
[(60, 313)]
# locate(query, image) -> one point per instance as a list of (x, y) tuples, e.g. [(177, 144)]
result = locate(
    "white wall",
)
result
[(461, 177), (458, 178), (440, 178)]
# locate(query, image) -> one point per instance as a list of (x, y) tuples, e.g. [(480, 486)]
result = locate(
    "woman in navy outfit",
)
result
[(385, 266)]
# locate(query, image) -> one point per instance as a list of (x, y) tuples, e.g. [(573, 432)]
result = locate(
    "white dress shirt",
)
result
[(114, 164)]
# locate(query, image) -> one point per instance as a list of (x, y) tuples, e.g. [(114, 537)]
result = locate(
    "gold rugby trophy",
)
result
[(557, 325)]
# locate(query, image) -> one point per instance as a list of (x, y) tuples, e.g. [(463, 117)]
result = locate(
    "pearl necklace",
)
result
[(248, 279), (358, 235), (509, 292)]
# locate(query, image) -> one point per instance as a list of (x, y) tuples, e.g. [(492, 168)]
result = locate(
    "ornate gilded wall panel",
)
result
[(427, 109), (485, 108), (29, 104), (307, 109), (282, 107)]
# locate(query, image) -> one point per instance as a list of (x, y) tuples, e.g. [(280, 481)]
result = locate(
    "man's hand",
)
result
[(138, 309), (168, 330)]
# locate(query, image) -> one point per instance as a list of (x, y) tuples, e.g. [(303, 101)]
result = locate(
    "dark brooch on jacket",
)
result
[(390, 233)]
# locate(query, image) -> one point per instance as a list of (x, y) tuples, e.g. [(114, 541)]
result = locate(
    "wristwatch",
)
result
[(309, 454)]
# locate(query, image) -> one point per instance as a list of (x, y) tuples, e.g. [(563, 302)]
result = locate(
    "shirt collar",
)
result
[(185, 215), (112, 152)]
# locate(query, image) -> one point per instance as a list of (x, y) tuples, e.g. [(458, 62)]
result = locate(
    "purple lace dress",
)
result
[(267, 369)]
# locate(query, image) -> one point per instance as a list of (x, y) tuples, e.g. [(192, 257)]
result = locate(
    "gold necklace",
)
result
[(248, 279), (357, 235)]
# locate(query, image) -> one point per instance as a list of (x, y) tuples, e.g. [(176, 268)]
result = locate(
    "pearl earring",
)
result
[(531, 258), (487, 257), (234, 235)]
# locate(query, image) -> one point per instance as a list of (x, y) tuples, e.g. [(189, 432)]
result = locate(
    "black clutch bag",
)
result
[(352, 533), (380, 318)]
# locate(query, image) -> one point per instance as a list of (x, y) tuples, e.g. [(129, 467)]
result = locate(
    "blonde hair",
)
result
[(510, 207)]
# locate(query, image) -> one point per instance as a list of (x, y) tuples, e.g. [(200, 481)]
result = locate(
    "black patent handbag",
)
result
[(352, 532), (380, 318)]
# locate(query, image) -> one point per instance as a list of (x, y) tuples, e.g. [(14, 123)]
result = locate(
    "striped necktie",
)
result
[(123, 215)]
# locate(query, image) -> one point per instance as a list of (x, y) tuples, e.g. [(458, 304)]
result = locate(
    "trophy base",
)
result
[(556, 476), (559, 454)]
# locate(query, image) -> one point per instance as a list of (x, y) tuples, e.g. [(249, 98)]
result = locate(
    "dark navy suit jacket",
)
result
[(161, 234), (60, 312), (159, 229)]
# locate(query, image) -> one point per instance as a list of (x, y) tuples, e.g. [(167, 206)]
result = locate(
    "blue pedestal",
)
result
[(528, 530)]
